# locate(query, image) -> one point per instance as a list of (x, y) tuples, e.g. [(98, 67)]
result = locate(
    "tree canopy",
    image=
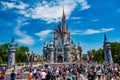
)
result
[(20, 56)]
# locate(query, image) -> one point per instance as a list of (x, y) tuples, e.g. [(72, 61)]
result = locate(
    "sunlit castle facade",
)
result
[(62, 48)]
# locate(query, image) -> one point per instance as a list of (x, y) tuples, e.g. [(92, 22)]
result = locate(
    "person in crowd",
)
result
[(49, 76), (37, 74), (80, 76), (117, 76), (34, 72), (74, 75), (13, 75), (91, 75), (63, 77), (43, 75), (19, 76), (3, 75), (30, 76), (22, 71), (99, 73)]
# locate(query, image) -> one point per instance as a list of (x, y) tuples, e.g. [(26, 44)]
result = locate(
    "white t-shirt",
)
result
[(57, 72), (81, 77), (99, 72), (43, 75), (34, 71)]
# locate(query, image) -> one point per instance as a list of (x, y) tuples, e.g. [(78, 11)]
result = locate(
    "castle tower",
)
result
[(107, 50), (76, 53), (45, 50), (80, 51), (67, 55), (12, 50), (51, 52)]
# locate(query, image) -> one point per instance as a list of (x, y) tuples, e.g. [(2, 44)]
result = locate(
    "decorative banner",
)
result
[(108, 55), (10, 59)]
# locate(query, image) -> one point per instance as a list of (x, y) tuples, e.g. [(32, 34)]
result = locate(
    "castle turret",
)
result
[(51, 52), (80, 51), (12, 50), (67, 52), (107, 50), (45, 50), (76, 53)]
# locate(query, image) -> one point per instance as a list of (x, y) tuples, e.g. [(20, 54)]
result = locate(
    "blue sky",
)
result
[(32, 21)]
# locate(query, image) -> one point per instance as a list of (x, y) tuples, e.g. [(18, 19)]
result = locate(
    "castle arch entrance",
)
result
[(59, 59)]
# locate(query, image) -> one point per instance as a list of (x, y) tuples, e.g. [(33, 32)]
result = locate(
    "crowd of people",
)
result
[(69, 72), (75, 72)]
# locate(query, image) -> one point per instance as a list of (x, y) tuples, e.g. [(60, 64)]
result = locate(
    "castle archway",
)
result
[(59, 59)]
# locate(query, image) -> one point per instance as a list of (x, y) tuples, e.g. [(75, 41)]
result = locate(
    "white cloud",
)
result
[(47, 11), (107, 29), (84, 4), (11, 5), (43, 34), (76, 32), (93, 31), (76, 18), (26, 23), (94, 20), (90, 31), (24, 38), (22, 12)]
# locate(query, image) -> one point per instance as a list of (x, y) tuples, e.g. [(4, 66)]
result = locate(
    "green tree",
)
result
[(4, 52), (115, 50), (0, 60), (21, 55), (98, 55)]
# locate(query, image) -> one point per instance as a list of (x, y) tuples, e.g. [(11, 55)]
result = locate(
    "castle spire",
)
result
[(105, 37), (63, 16), (12, 40)]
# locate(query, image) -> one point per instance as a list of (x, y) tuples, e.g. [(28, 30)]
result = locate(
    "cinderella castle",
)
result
[(62, 48)]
